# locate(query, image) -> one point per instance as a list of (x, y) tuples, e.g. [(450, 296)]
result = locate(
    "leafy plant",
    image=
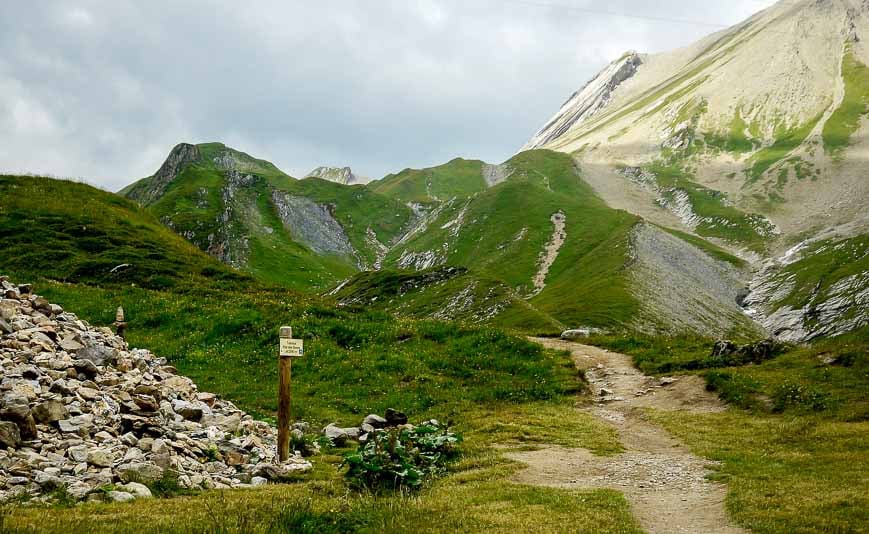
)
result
[(401, 458)]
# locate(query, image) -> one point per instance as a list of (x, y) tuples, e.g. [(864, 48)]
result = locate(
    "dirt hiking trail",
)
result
[(665, 484)]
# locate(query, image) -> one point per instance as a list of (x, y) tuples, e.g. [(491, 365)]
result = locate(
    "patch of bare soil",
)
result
[(665, 484)]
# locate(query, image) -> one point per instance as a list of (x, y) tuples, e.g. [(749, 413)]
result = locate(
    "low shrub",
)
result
[(401, 458), (734, 388), (792, 394)]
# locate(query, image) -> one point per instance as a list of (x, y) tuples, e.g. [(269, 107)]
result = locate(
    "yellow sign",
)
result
[(291, 347)]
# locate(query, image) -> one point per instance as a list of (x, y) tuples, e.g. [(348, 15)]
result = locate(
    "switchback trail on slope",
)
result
[(664, 482)]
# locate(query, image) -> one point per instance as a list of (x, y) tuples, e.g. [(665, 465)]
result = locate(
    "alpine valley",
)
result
[(653, 317), (703, 190)]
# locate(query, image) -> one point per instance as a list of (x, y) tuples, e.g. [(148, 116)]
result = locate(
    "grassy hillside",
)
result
[(500, 232), (71, 232), (845, 121), (459, 178), (304, 234), (444, 293)]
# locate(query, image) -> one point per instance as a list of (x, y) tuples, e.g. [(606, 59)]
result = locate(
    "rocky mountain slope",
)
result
[(82, 413), (538, 249), (526, 243), (762, 156), (246, 212)]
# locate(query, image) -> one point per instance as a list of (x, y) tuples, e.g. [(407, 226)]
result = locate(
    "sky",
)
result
[(101, 91)]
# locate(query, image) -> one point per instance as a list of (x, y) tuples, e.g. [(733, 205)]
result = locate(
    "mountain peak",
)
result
[(339, 175), (589, 100)]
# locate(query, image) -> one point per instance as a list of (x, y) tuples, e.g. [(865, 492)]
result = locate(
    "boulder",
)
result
[(375, 421), (337, 435), (140, 472), (137, 490), (85, 367), (50, 411), (187, 410), (395, 418), (10, 436), (100, 458), (119, 496), (99, 355)]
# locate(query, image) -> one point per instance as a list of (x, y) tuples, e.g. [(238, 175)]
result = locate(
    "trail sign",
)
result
[(291, 348)]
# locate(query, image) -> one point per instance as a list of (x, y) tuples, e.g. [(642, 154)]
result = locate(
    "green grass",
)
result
[(75, 233), (785, 142), (476, 497), (734, 140), (846, 119), (784, 474), (793, 447), (721, 220), (433, 293), (506, 226), (459, 178)]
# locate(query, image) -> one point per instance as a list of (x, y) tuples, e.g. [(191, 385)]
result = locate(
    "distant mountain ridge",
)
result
[(755, 138)]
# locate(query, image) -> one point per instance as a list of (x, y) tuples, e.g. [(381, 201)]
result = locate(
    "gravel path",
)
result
[(550, 252), (665, 484)]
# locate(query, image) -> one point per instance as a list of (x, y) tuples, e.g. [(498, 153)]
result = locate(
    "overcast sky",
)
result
[(102, 90)]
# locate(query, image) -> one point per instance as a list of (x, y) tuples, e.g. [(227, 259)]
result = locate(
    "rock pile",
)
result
[(339, 436), (752, 352), (81, 411)]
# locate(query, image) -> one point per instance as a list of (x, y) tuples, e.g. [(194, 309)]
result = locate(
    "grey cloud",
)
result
[(102, 90)]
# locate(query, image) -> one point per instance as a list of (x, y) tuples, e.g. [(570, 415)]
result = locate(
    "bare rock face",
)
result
[(182, 155), (589, 100), (313, 224), (94, 413), (339, 175)]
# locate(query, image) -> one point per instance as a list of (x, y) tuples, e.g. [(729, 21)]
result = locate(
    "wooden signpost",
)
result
[(289, 348)]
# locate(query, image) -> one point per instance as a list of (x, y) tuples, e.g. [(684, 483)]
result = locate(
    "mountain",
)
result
[(718, 189), (306, 234), (537, 248), (339, 175), (526, 244), (754, 138)]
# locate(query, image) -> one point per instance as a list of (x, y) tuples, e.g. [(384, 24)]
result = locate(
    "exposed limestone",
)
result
[(681, 287), (339, 175), (842, 307), (495, 174), (312, 224), (588, 101), (180, 156)]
